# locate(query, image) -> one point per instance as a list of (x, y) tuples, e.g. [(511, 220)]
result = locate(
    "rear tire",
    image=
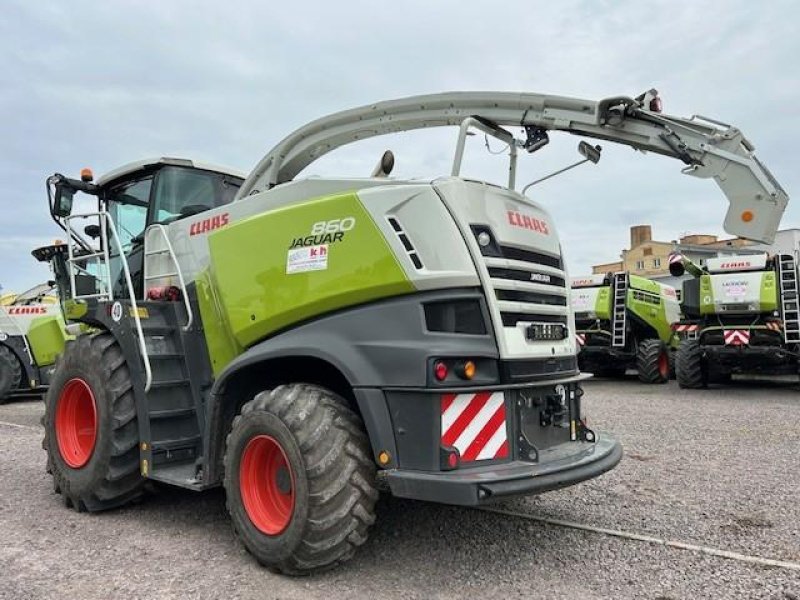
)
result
[(689, 367), (317, 509), (90, 428), (10, 373), (652, 361)]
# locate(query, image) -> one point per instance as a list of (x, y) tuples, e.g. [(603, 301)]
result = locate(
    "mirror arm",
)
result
[(546, 177)]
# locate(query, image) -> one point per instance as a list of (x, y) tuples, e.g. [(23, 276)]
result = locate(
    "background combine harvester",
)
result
[(315, 338), (32, 334), (625, 322), (741, 317)]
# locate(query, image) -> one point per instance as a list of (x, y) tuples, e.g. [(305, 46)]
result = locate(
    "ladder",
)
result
[(790, 310), (619, 312)]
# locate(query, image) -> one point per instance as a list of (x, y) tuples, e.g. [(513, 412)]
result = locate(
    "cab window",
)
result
[(183, 192), (127, 204)]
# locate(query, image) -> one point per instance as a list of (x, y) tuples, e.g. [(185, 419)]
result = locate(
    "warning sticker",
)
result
[(310, 258)]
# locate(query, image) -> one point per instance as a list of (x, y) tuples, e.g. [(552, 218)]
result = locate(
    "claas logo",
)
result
[(742, 264), (209, 224), (517, 219), (27, 310)]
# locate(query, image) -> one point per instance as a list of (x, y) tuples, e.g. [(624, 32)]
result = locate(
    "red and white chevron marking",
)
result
[(475, 424), (774, 325), (736, 337), (679, 327), (673, 258), (580, 338)]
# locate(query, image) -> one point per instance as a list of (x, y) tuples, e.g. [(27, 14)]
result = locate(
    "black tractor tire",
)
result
[(10, 373), (652, 361), (672, 374), (110, 475), (327, 454), (689, 368)]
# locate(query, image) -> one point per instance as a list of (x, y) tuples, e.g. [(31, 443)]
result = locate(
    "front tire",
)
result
[(299, 479), (689, 367), (10, 373), (652, 361), (90, 428)]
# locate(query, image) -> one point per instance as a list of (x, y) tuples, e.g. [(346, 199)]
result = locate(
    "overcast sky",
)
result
[(100, 84)]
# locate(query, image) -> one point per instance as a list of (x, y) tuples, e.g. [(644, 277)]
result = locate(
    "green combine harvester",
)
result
[(303, 342), (623, 322), (32, 335), (741, 317)]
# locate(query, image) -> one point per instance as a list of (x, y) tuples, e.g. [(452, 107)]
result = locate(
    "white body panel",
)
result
[(584, 301), (587, 281), (16, 320), (672, 307), (730, 264), (737, 291), (516, 222)]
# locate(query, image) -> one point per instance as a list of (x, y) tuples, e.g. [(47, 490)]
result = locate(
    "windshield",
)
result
[(182, 192)]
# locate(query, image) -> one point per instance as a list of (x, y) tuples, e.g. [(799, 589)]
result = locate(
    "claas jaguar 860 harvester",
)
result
[(317, 338)]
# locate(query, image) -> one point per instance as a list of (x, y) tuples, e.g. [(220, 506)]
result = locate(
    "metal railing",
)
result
[(106, 225), (176, 273)]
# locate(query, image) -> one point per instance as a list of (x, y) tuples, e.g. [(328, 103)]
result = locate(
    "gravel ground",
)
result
[(716, 468)]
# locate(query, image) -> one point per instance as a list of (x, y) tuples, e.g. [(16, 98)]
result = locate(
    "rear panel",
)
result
[(520, 266)]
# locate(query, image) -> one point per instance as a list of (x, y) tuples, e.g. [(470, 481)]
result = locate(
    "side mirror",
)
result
[(62, 205), (385, 165), (589, 152), (93, 231)]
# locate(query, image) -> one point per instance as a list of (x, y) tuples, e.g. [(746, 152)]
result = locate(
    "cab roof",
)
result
[(140, 165)]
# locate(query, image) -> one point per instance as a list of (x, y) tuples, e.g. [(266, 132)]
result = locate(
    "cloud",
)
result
[(102, 84)]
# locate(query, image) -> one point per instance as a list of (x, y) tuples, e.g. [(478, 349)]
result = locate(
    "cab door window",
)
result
[(127, 205)]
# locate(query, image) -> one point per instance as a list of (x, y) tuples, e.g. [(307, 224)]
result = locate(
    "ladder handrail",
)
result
[(163, 230), (106, 224)]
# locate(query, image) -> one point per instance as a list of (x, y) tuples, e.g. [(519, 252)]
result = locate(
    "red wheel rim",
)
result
[(663, 364), (76, 423), (266, 484)]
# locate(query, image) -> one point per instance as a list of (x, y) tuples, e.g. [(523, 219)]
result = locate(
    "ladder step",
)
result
[(170, 383), (171, 412), (177, 443)]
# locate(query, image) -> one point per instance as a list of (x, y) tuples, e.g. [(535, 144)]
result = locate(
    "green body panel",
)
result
[(46, 338), (654, 315), (646, 285), (249, 293), (74, 309), (769, 292), (222, 346), (706, 295), (602, 305)]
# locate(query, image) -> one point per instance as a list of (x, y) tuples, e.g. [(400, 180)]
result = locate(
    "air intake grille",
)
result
[(407, 245)]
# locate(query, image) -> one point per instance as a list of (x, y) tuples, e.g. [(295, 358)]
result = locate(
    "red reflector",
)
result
[(452, 460), (440, 371)]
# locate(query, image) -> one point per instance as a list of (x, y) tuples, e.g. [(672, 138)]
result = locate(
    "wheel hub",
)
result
[(266, 485), (76, 423)]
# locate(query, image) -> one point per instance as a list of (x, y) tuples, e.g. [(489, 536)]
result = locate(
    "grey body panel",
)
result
[(383, 344)]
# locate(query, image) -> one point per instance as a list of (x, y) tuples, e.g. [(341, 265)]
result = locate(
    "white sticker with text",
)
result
[(310, 258)]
